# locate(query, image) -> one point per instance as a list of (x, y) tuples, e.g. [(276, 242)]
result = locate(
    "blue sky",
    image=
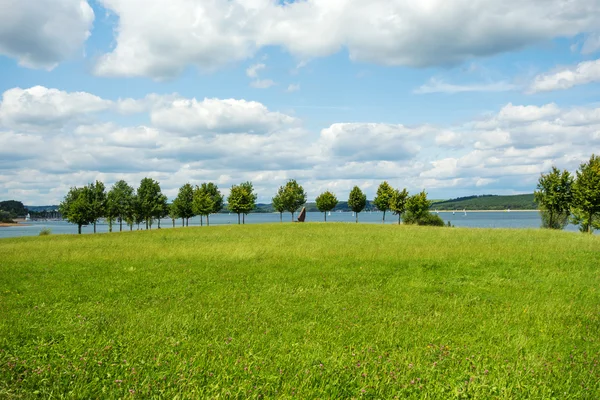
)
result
[(457, 98)]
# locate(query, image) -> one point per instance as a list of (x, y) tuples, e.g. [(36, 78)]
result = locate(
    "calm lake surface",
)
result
[(500, 219)]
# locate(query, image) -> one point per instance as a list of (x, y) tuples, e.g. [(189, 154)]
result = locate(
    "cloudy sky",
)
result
[(456, 97)]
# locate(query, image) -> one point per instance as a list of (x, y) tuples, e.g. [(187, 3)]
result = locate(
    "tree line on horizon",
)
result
[(565, 198), (147, 204)]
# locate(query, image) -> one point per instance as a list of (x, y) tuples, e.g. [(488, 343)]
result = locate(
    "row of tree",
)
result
[(86, 205), (122, 203), (563, 198), (414, 209)]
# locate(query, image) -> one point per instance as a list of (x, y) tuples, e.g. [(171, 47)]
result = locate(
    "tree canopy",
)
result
[(357, 200), (398, 202), (150, 200), (183, 203), (586, 195), (242, 199), (554, 196), (76, 207), (326, 201), (384, 197), (119, 202), (417, 211), (277, 203), (293, 196)]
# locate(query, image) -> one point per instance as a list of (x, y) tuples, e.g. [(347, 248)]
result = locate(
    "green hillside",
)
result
[(488, 202)]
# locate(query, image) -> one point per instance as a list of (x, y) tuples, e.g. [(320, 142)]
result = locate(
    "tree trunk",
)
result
[(325, 214), (238, 218), (280, 217), (146, 223), (292, 216), (182, 221), (121, 224), (357, 218), (207, 221), (79, 229), (384, 216), (173, 222), (94, 226), (590, 223), (398, 218), (243, 219), (159, 223)]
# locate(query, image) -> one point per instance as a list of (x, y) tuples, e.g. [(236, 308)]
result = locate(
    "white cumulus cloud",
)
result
[(193, 117), (580, 74), (42, 34), (41, 108), (159, 39)]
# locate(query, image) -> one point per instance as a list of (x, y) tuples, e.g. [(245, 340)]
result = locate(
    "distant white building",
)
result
[(28, 217)]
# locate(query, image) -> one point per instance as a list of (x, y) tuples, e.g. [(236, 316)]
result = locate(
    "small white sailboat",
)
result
[(465, 211), (329, 214)]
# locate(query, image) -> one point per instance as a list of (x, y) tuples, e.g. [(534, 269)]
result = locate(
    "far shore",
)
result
[(16, 222), (7, 224), (445, 211)]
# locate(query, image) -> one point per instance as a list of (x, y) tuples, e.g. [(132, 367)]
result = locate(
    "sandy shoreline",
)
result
[(5, 224)]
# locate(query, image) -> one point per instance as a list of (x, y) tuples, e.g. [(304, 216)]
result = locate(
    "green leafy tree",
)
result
[(215, 196), (417, 211), (554, 197), (173, 212), (119, 202), (138, 215), (586, 195), (249, 199), (398, 202), (277, 203), (184, 203), (384, 197), (149, 199), (293, 196), (161, 208), (357, 201), (326, 201), (241, 199), (203, 204), (97, 201), (76, 207), (109, 214)]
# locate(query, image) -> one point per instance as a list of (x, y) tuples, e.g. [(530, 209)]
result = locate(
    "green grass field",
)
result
[(301, 311)]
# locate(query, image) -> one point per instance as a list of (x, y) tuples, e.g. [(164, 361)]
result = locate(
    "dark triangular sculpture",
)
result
[(302, 215)]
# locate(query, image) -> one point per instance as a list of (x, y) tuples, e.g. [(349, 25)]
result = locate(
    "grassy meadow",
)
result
[(301, 311)]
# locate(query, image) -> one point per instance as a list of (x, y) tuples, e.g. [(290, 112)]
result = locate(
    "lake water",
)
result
[(501, 219)]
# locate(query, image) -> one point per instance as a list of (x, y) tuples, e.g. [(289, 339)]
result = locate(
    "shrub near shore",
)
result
[(301, 310)]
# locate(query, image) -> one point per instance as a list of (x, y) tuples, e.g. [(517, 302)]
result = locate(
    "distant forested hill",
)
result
[(488, 202), (14, 208)]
